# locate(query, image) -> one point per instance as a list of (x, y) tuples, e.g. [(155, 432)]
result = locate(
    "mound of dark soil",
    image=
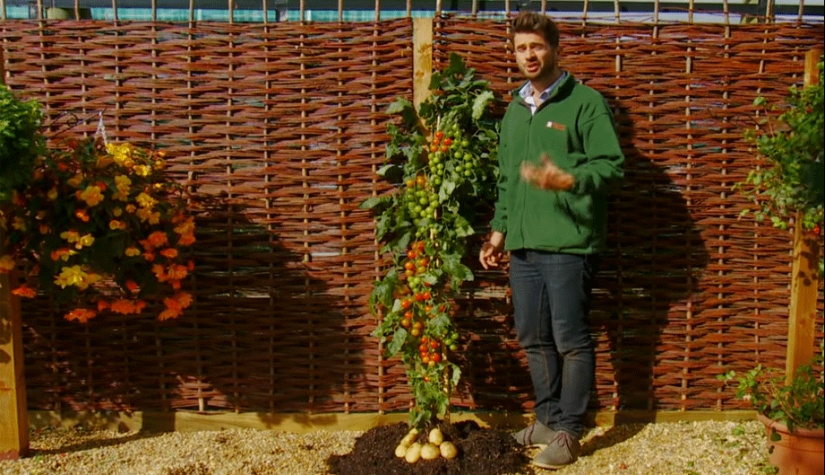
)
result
[(480, 452)]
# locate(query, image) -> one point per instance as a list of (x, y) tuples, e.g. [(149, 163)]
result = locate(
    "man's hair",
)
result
[(532, 22)]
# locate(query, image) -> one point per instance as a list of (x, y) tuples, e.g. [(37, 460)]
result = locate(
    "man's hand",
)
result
[(491, 254), (547, 176)]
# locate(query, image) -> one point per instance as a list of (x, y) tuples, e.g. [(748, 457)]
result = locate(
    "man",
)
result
[(559, 157)]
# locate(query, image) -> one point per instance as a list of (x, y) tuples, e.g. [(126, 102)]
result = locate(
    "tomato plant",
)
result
[(442, 159)]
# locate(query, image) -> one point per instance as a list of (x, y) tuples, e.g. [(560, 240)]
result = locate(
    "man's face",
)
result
[(536, 59)]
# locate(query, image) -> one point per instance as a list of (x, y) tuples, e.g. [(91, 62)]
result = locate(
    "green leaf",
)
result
[(480, 104), (397, 342), (399, 105), (372, 202)]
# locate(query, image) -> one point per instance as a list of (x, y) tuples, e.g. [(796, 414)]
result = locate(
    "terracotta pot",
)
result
[(799, 453)]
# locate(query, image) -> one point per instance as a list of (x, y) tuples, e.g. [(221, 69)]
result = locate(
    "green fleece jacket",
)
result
[(575, 128)]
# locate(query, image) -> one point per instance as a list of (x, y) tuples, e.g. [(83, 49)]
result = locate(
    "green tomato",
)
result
[(468, 156), (465, 143), (458, 155)]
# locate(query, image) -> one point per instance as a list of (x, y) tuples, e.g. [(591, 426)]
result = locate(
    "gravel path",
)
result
[(699, 448)]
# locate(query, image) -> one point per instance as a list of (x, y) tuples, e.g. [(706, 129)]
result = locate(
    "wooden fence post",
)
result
[(14, 420), (805, 273), (422, 59)]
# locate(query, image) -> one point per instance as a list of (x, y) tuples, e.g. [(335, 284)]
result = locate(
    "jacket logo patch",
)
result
[(556, 125)]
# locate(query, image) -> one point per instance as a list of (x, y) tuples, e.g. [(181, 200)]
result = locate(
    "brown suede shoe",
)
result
[(563, 450), (535, 435)]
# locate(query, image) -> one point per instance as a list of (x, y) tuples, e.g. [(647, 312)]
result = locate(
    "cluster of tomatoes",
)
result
[(419, 305), (420, 201), (450, 154)]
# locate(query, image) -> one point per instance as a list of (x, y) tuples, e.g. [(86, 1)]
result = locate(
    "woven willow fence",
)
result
[(278, 129)]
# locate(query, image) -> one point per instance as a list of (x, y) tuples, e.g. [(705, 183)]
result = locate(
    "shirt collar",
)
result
[(526, 91)]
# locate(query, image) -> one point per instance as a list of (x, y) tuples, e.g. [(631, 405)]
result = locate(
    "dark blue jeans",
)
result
[(551, 300)]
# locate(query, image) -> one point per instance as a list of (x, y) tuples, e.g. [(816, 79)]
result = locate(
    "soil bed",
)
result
[(480, 452)]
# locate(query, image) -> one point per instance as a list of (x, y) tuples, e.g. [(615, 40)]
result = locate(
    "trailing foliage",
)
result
[(444, 178)]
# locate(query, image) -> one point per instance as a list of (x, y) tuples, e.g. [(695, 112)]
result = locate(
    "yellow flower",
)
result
[(145, 200), (130, 208), (6, 263), (86, 240), (148, 216), (92, 195), (117, 212), (123, 185), (71, 236), (75, 181), (71, 275), (121, 154), (115, 224), (143, 170), (52, 194), (132, 251)]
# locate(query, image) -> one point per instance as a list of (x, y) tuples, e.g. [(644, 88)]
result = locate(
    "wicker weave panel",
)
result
[(277, 131)]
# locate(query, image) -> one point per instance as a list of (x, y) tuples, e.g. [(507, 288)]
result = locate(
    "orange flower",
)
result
[(125, 307), (175, 305), (63, 253), (186, 240), (131, 285), (82, 215), (24, 291), (168, 314), (169, 253), (158, 238), (177, 272), (186, 230), (160, 272), (102, 305), (184, 299), (82, 315)]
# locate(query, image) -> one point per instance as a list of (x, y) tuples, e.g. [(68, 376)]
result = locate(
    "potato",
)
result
[(401, 450), (408, 439), (413, 453), (448, 450), (429, 451), (436, 437)]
